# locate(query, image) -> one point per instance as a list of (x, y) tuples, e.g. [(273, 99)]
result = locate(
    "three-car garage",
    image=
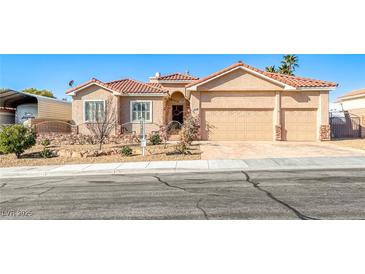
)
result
[(243, 103)]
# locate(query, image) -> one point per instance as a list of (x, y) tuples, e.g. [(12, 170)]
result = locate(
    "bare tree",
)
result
[(104, 122)]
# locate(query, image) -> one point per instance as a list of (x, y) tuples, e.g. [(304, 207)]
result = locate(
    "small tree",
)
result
[(190, 129), (16, 139), (163, 131), (104, 122), (188, 133)]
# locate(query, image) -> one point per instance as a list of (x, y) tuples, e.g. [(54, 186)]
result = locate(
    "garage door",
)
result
[(237, 124), (299, 125)]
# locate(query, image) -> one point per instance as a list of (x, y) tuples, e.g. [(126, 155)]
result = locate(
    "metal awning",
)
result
[(12, 98)]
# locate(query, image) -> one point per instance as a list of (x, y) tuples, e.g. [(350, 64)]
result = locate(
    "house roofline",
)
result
[(271, 77), (193, 86)]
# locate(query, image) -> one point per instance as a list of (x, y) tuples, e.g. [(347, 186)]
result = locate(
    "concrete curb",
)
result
[(267, 164)]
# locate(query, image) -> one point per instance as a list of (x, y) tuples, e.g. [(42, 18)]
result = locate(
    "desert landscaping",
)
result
[(79, 154)]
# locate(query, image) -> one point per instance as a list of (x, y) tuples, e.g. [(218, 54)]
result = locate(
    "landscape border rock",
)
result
[(69, 153), (81, 139)]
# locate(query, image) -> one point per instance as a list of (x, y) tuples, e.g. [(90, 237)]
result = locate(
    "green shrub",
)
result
[(46, 153), (126, 151), (16, 139), (45, 142), (155, 139)]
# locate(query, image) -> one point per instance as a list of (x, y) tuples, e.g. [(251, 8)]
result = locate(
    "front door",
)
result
[(178, 113)]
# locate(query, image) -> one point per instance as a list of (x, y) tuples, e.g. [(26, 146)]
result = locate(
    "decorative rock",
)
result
[(76, 154), (80, 139)]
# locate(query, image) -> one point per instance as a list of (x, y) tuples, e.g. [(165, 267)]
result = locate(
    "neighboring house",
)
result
[(239, 102), (353, 102), (18, 107)]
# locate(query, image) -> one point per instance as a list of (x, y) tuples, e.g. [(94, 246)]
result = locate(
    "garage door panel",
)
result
[(299, 124), (237, 124)]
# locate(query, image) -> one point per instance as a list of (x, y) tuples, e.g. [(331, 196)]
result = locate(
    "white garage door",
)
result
[(299, 125), (237, 124)]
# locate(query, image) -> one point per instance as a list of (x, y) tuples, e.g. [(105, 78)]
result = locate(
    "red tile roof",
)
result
[(123, 86), (293, 81), (133, 86), (177, 77), (353, 93), (158, 85)]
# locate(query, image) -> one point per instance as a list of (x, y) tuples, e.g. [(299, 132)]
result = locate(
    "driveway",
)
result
[(248, 149)]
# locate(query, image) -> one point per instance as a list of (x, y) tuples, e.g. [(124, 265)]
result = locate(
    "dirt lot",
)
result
[(153, 153)]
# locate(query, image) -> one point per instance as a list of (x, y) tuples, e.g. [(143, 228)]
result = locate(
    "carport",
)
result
[(47, 109)]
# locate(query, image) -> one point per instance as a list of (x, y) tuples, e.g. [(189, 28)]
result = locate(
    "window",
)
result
[(94, 111), (141, 110)]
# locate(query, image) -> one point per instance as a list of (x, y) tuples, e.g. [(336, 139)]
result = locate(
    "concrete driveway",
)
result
[(249, 149)]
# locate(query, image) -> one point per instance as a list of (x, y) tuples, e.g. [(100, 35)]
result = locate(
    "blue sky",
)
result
[(53, 72)]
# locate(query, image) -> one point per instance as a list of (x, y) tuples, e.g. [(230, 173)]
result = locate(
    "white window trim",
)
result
[(84, 108), (131, 111)]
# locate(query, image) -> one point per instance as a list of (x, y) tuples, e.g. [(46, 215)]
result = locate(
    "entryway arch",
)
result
[(177, 107)]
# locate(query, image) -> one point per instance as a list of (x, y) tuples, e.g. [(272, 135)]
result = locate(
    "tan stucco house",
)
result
[(353, 102), (239, 102)]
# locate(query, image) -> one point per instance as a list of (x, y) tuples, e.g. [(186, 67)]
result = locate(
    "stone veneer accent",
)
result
[(278, 135), (325, 133)]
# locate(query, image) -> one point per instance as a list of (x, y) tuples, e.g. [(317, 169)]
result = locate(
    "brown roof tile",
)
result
[(133, 86), (157, 85), (293, 81), (124, 86), (177, 77)]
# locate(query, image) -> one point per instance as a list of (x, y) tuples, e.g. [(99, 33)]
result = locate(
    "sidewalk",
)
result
[(186, 166)]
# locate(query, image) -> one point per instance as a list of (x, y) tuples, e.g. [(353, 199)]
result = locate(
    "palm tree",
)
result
[(285, 69), (271, 69), (291, 62)]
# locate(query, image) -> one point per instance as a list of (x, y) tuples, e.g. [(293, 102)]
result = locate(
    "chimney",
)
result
[(157, 74)]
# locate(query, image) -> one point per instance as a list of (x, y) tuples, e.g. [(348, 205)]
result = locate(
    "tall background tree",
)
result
[(41, 92), (288, 65), (271, 69)]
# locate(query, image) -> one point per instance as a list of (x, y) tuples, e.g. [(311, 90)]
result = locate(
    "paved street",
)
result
[(292, 194)]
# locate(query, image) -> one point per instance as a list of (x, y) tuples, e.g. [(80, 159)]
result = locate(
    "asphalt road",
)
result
[(300, 194)]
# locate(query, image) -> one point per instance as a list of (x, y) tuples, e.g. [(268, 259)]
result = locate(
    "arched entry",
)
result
[(177, 106)]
